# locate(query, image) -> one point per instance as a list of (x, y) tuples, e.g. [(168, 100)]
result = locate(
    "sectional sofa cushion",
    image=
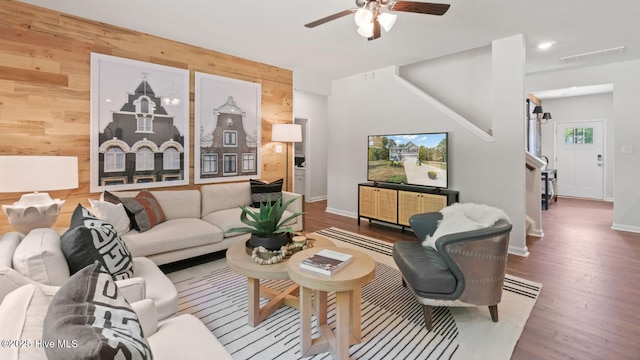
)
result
[(196, 343), (176, 204), (262, 191), (89, 239), (21, 314), (9, 242), (93, 320), (39, 257), (230, 218), (217, 197), (172, 235)]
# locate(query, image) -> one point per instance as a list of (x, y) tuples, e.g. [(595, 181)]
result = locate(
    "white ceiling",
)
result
[(574, 91), (273, 32)]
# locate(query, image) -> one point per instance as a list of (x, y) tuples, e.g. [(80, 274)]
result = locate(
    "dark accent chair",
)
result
[(467, 269)]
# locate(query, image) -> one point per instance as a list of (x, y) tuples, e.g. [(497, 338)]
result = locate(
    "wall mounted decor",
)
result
[(227, 129), (139, 124)]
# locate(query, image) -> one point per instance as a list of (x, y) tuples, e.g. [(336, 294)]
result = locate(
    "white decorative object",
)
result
[(36, 173)]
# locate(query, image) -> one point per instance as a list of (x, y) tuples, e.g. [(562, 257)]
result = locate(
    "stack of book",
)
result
[(326, 262)]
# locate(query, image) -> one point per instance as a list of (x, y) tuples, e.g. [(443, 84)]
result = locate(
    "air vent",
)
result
[(593, 55)]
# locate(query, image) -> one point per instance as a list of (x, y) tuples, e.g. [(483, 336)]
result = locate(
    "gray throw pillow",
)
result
[(89, 319)]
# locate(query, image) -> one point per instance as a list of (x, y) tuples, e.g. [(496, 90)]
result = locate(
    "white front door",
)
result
[(580, 159)]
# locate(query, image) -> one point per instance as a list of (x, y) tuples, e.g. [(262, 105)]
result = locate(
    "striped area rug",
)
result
[(392, 320)]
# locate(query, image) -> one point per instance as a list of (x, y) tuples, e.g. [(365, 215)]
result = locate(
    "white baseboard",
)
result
[(524, 252), (316, 199), (536, 233), (628, 228), (341, 212)]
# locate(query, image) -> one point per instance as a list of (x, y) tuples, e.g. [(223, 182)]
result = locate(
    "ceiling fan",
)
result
[(372, 14)]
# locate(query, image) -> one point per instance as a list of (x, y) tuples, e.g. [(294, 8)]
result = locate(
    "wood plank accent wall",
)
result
[(45, 89)]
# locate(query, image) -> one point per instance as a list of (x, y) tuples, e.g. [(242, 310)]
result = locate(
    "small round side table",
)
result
[(347, 283), (240, 262)]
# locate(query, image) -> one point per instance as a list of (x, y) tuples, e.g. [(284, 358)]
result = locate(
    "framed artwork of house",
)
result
[(227, 129), (139, 124)]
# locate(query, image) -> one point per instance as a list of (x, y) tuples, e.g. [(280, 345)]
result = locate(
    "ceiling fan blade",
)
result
[(330, 18), (376, 31), (420, 7)]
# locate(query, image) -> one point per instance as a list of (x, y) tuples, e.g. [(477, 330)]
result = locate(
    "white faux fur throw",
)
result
[(483, 214), (464, 217)]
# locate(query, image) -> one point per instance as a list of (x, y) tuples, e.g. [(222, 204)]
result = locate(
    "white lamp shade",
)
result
[(363, 16), (366, 30), (387, 20), (37, 173), (286, 132)]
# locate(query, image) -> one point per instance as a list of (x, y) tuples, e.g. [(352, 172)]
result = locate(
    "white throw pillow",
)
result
[(114, 214), (454, 222), (22, 314), (39, 257)]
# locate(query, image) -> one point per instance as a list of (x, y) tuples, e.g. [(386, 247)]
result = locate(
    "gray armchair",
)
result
[(467, 269)]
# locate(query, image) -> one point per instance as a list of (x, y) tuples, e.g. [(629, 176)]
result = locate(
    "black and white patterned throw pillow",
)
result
[(89, 319), (261, 191), (90, 239)]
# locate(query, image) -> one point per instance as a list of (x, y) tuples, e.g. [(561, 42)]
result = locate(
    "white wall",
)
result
[(582, 108), (314, 108), (625, 77), (447, 79), (484, 172), (311, 83)]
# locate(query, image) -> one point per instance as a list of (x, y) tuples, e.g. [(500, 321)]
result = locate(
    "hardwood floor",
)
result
[(589, 307)]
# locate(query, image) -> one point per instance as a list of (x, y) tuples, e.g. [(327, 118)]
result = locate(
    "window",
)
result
[(144, 114), (230, 138), (578, 136), (144, 105), (171, 159), (114, 160), (144, 159), (248, 162), (230, 167), (145, 123), (210, 164)]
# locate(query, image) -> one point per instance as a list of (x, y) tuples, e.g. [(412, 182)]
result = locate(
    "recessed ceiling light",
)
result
[(546, 45)]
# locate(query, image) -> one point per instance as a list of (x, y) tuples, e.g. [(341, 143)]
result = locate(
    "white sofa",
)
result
[(22, 316), (197, 221), (41, 260)]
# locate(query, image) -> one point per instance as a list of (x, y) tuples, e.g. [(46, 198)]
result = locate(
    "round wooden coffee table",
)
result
[(240, 262), (347, 283)]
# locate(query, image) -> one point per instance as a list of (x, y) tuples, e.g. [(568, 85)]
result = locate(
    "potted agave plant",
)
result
[(266, 226)]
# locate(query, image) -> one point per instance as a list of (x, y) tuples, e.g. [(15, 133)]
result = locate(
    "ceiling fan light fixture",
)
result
[(387, 20), (366, 30), (363, 17)]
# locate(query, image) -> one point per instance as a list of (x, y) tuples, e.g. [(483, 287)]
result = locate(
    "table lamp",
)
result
[(36, 173)]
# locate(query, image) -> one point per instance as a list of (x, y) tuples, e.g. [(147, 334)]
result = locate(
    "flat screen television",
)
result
[(412, 159)]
